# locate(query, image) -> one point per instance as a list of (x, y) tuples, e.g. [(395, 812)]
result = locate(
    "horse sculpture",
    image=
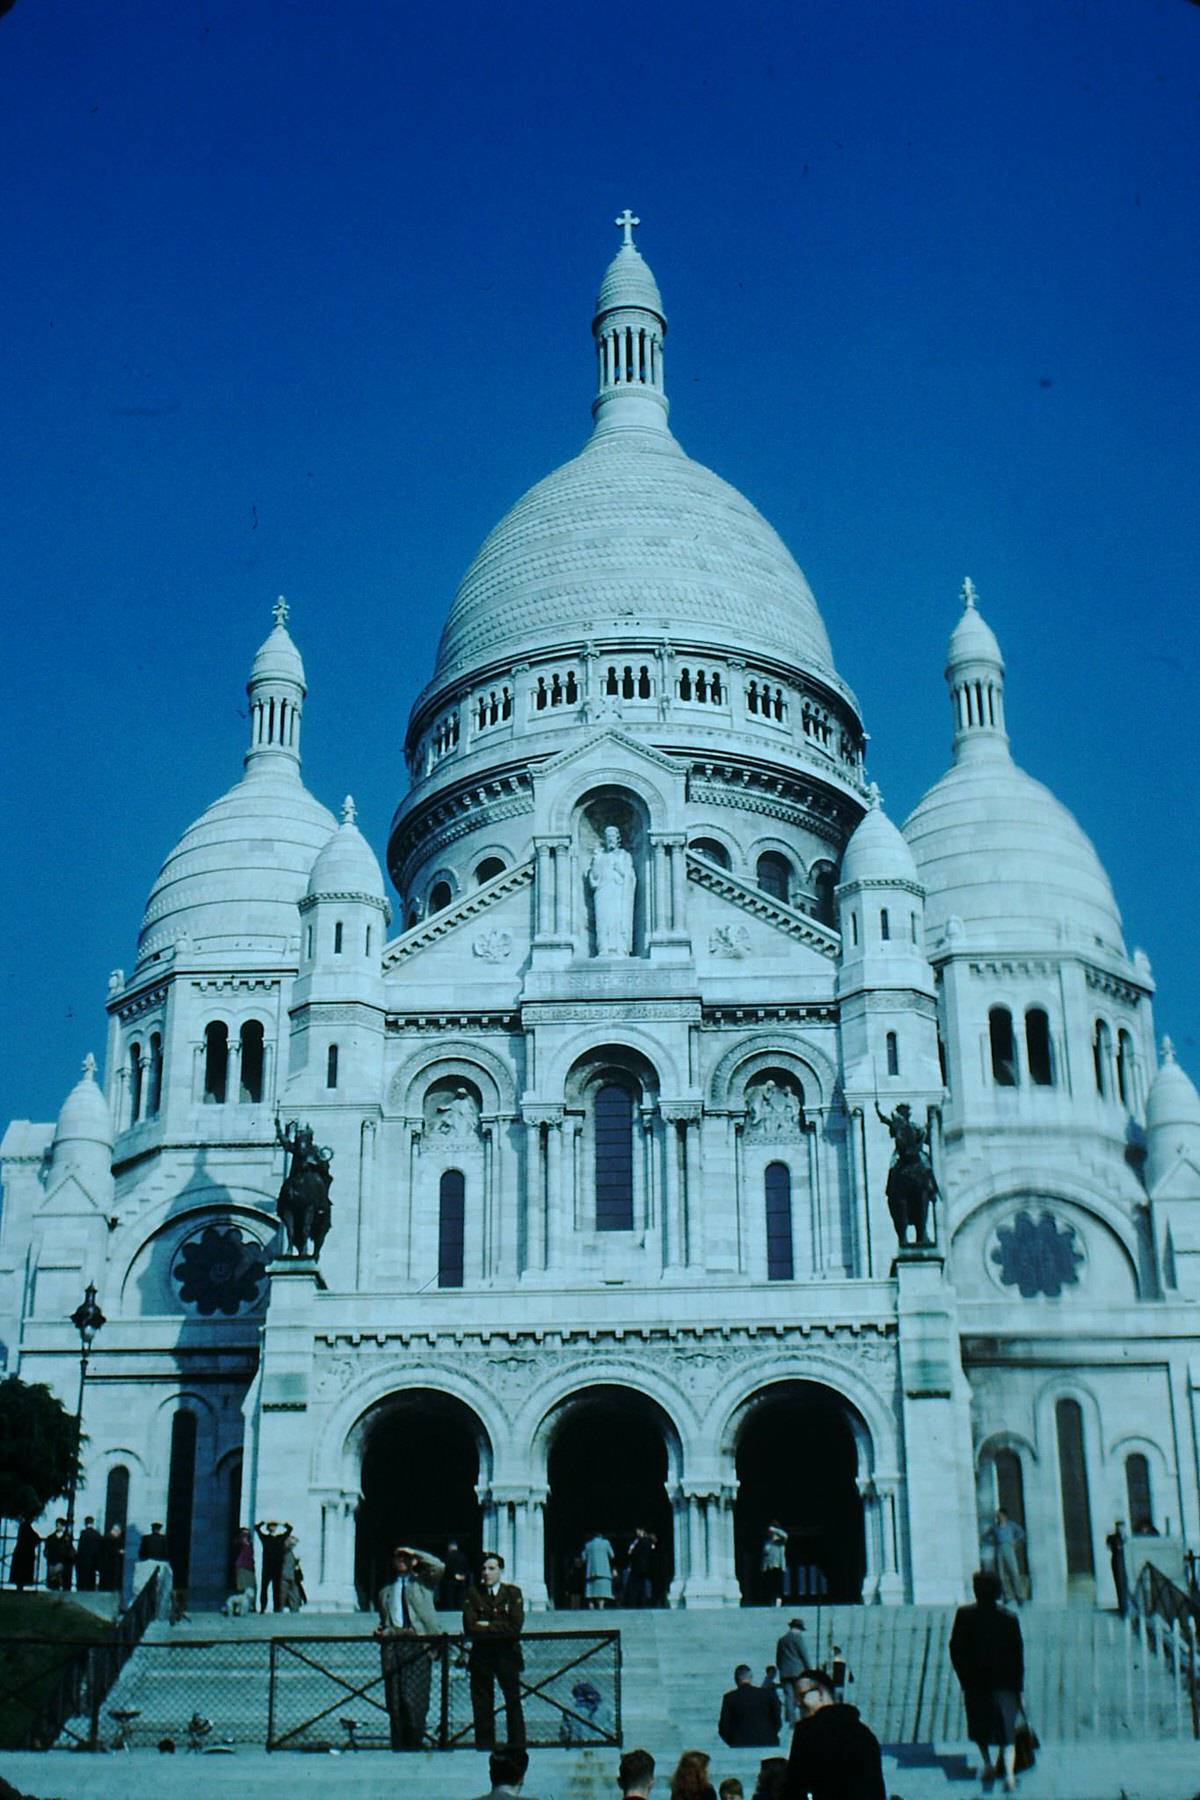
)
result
[(304, 1204), (911, 1184)]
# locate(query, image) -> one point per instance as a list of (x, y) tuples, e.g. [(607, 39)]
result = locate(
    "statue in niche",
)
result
[(773, 1110), (911, 1184), (613, 883), (304, 1204), (456, 1117)]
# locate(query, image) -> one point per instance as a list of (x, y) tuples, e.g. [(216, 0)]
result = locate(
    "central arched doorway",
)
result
[(422, 1453), (607, 1471), (797, 1463)]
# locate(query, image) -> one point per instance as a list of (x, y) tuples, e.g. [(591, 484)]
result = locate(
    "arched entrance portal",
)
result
[(797, 1462), (421, 1457), (607, 1471)]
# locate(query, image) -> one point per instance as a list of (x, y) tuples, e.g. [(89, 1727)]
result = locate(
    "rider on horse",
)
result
[(304, 1204), (911, 1184)]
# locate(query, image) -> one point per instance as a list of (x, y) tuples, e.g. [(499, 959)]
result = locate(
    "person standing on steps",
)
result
[(1004, 1535), (834, 1756), (273, 1537), (791, 1659), (493, 1616), (989, 1660), (1116, 1562), (406, 1619)]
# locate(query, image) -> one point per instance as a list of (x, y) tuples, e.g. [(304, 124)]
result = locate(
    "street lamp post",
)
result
[(87, 1320)]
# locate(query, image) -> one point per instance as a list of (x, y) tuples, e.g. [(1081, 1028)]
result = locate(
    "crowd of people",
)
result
[(94, 1562)]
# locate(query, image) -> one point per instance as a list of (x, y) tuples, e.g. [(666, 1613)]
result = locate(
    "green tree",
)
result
[(39, 1450)]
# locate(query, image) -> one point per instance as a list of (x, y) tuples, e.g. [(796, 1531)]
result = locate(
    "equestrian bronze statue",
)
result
[(304, 1204)]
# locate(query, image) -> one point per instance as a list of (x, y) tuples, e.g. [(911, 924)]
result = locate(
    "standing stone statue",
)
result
[(613, 882), (304, 1204), (911, 1185)]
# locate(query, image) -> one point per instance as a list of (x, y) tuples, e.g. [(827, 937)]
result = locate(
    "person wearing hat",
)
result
[(406, 1622), (791, 1659)]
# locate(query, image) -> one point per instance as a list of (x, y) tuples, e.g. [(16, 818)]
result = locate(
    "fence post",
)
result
[(271, 1695), (93, 1701), (444, 1708)]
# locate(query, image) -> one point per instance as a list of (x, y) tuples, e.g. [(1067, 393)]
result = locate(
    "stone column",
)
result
[(693, 1207), (556, 1199), (492, 1222), (673, 1202), (563, 890), (532, 1189), (544, 875), (333, 1590)]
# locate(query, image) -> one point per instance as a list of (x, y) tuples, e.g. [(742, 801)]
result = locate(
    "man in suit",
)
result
[(791, 1659), (87, 1556), (506, 1772), (406, 1613), (749, 1714), (493, 1614)]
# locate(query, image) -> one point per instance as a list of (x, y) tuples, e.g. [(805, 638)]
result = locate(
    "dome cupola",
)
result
[(346, 867), (1172, 1119), (83, 1135), (276, 689), (629, 327)]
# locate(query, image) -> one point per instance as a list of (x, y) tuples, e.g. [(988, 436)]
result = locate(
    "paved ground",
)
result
[(1081, 1772)]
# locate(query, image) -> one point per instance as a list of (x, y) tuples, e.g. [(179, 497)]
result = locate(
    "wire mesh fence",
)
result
[(317, 1693)]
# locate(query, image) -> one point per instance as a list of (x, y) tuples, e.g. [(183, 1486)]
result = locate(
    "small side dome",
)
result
[(972, 640), (876, 851), (629, 281), (346, 866), (1172, 1118), (84, 1118)]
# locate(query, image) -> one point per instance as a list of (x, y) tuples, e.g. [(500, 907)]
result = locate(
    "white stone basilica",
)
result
[(609, 1113)]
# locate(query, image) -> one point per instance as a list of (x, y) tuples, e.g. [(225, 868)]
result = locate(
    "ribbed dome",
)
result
[(278, 659), (236, 876), (995, 848), (633, 536), (347, 865), (1172, 1119), (84, 1117), (876, 851)]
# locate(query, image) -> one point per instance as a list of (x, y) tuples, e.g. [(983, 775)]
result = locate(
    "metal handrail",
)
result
[(89, 1668)]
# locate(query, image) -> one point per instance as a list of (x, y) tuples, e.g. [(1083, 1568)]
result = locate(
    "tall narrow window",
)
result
[(824, 879), (774, 875), (777, 1190), (252, 1061), (1137, 1488), (1010, 1486), (181, 1486), (1101, 1055), (613, 1124), (337, 937), (154, 1098), (1125, 1068), (1003, 1048), (452, 1215), (885, 924), (1037, 1047), (331, 1067), (137, 1079), (1076, 1504), (892, 1047), (116, 1498), (216, 1062)]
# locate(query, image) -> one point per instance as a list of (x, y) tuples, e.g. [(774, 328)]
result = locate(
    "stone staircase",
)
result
[(1087, 1681)]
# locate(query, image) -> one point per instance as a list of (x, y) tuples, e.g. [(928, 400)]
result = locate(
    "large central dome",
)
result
[(633, 536)]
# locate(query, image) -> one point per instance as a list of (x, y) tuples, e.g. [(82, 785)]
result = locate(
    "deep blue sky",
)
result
[(296, 298)]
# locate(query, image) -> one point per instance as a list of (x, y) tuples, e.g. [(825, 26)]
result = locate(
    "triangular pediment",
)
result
[(467, 910), (602, 746)]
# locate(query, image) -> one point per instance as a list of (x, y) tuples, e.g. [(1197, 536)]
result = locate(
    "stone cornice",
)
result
[(567, 1337), (137, 1004)]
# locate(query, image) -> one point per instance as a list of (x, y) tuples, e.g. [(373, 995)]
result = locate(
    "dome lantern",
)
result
[(276, 688), (975, 673), (629, 327)]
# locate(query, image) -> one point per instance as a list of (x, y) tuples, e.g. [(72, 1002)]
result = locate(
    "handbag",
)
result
[(1025, 1743)]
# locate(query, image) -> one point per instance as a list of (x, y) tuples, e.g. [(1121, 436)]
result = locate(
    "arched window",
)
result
[(331, 1067), (116, 1498), (137, 1079), (440, 896), (712, 849), (612, 1117), (154, 1099), (1038, 1055), (1137, 1488), (777, 1192), (854, 928), (774, 875), (337, 937), (892, 1047), (1010, 1486), (181, 1484), (1003, 1048), (1125, 1068), (308, 942), (489, 868), (252, 1061), (885, 924), (452, 1214), (216, 1062), (824, 880), (1073, 1481), (1101, 1056)]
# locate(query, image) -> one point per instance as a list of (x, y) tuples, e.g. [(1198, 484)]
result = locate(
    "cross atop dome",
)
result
[(349, 810), (280, 610), (970, 593), (627, 221)]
